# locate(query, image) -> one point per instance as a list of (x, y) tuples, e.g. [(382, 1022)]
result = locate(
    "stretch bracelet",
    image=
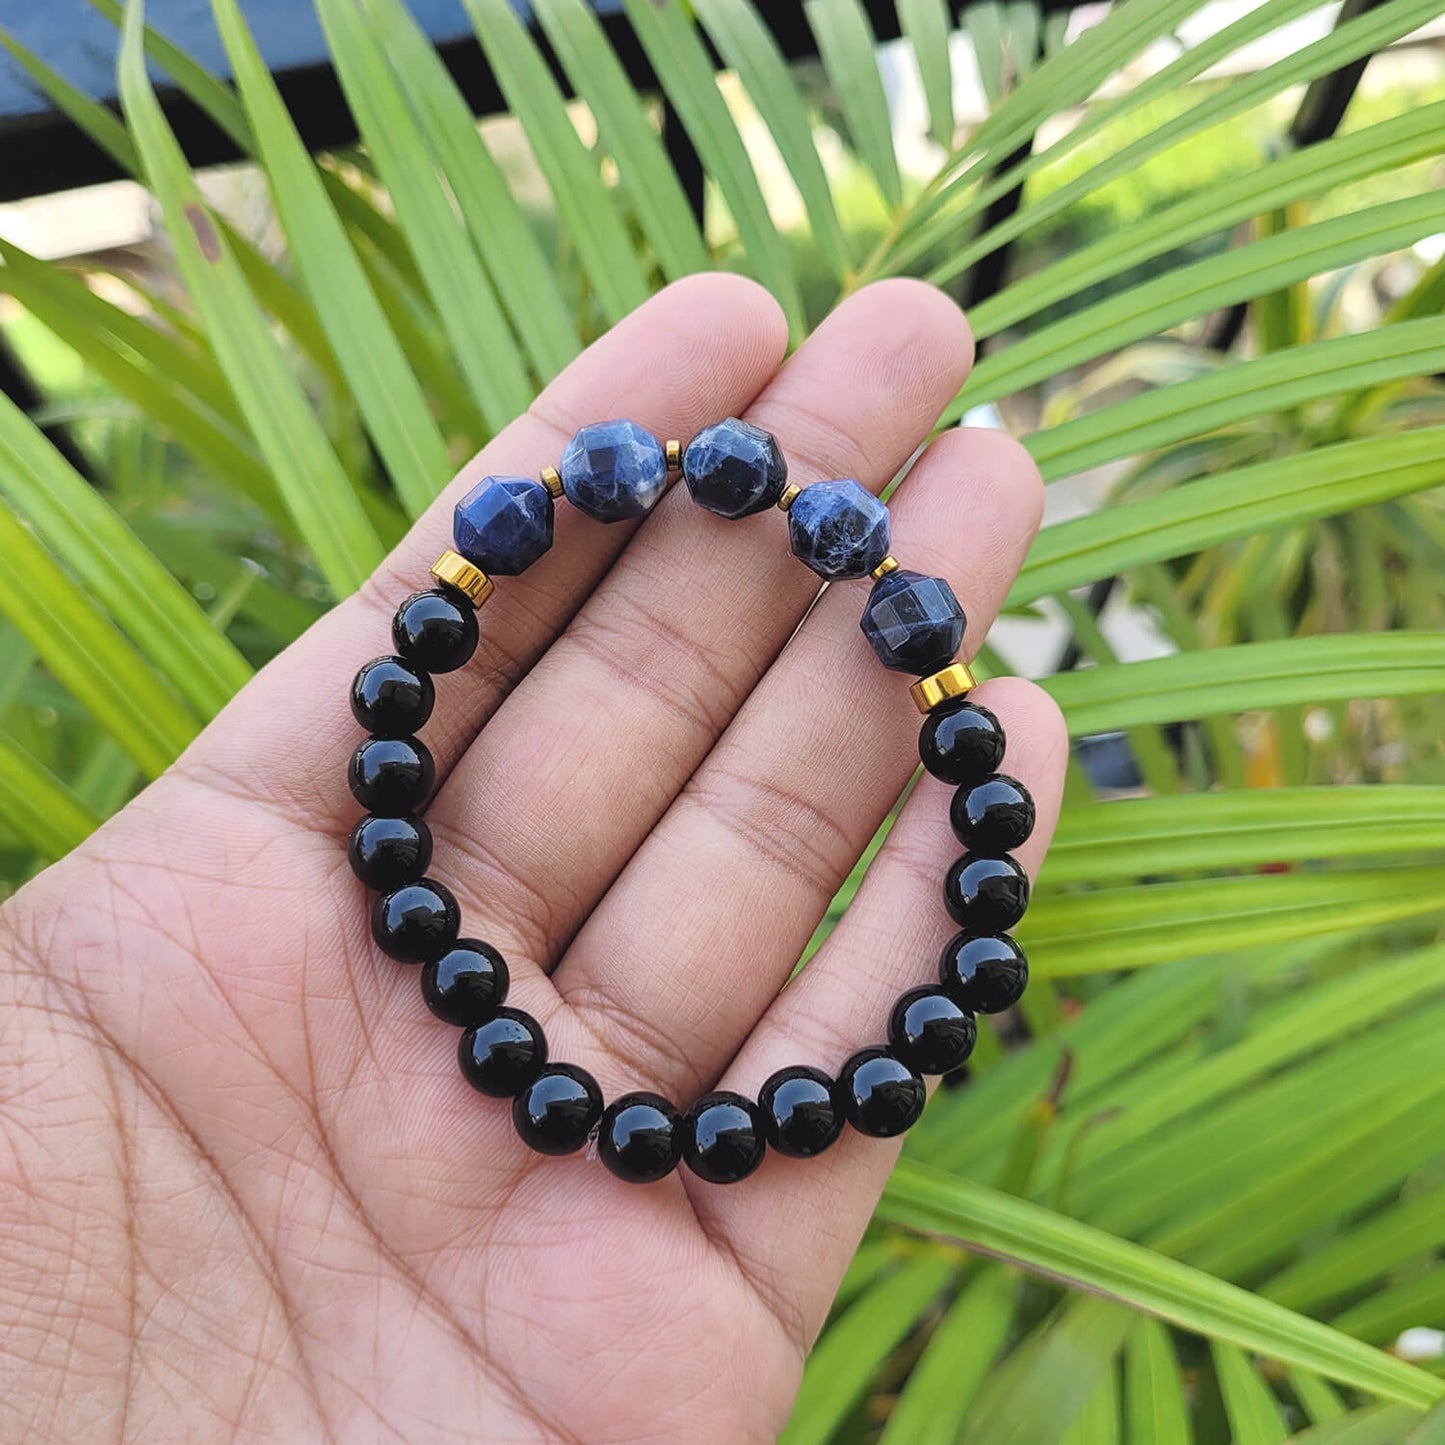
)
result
[(614, 471)]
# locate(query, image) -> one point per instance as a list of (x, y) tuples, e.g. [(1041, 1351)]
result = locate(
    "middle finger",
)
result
[(588, 752)]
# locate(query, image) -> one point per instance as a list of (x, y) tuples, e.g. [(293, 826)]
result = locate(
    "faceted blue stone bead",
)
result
[(503, 524), (913, 622), (613, 470), (734, 469), (839, 529)]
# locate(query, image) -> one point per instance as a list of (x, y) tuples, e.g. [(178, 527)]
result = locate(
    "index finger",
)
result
[(701, 348)]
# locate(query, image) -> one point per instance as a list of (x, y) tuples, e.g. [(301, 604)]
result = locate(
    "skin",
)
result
[(244, 1191)]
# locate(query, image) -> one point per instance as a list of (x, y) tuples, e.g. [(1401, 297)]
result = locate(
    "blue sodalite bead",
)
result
[(613, 470), (734, 469), (839, 529), (913, 622), (503, 524)]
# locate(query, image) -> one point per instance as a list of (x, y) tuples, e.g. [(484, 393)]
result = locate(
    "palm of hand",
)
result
[(247, 1189)]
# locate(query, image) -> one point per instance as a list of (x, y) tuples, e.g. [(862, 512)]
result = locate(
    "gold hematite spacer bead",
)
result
[(887, 565), (673, 452), (953, 681), (454, 569), (552, 480), (790, 495)]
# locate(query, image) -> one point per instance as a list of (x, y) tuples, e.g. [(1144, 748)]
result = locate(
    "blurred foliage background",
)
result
[(1194, 1189)]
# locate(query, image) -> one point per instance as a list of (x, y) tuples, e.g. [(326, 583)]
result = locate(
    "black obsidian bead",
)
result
[(929, 1032), (723, 1139), (390, 698), (985, 895), (415, 922), (961, 742), (503, 1055), (800, 1114), (879, 1094), (387, 852), (993, 816), (467, 984), (640, 1138), (556, 1112), (985, 974), (436, 630), (391, 776)]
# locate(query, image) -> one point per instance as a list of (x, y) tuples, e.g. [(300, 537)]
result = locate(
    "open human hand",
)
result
[(246, 1191)]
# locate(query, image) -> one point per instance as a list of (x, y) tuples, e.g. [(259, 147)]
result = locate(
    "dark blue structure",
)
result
[(44, 152), (81, 43)]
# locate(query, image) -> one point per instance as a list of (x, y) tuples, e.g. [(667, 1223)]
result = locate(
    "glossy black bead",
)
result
[(391, 776), (436, 630), (415, 922), (930, 1032), (993, 816), (467, 984), (961, 742), (387, 852), (390, 698), (723, 1139), (640, 1138), (879, 1094), (985, 895), (503, 1055), (984, 974), (556, 1112), (800, 1114)]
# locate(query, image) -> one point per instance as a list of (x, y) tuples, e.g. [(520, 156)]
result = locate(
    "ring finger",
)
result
[(746, 860)]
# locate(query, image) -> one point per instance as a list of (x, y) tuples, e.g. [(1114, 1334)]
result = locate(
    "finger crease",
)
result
[(615, 644), (781, 826), (536, 916), (633, 1043)]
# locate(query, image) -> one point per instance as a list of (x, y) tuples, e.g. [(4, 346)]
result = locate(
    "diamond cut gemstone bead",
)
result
[(913, 622), (840, 529), (503, 524), (734, 469), (613, 470)]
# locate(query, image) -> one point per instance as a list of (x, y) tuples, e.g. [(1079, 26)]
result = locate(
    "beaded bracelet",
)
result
[(614, 471)]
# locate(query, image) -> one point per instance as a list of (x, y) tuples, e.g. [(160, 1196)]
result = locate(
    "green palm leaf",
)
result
[(657, 195), (582, 200), (1238, 275), (745, 43), (686, 72), (139, 594), (368, 354), (1255, 675), (88, 655), (845, 44), (1060, 1248), (465, 299), (39, 807), (317, 491)]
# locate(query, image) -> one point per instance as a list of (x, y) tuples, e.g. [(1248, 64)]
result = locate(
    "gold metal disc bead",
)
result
[(887, 565), (673, 452), (454, 569), (552, 480), (789, 496), (953, 681)]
